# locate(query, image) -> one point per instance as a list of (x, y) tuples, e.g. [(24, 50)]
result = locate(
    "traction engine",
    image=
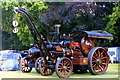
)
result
[(78, 54)]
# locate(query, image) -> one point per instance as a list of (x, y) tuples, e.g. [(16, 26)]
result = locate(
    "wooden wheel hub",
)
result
[(64, 67), (99, 61)]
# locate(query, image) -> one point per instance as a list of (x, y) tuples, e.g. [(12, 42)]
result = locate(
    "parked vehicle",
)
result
[(8, 51), (114, 53), (66, 56), (3, 52), (10, 61)]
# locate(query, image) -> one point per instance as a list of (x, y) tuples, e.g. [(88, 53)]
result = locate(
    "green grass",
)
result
[(112, 72)]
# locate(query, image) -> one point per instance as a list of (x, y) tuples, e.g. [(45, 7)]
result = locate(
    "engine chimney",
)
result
[(57, 35)]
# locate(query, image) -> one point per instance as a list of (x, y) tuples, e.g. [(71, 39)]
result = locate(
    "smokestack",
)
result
[(57, 35)]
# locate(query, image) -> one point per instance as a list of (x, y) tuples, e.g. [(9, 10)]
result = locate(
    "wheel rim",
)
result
[(24, 65), (37, 64), (44, 69), (99, 61), (64, 68)]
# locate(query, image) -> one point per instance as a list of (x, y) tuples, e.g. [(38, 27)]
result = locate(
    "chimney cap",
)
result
[(57, 25)]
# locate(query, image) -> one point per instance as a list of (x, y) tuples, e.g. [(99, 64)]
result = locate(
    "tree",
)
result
[(8, 16), (71, 15), (113, 26), (11, 41), (77, 15)]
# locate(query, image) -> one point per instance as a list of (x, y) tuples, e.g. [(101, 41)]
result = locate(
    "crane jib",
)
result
[(34, 32)]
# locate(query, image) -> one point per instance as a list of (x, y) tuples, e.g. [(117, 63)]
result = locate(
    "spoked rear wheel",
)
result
[(45, 69), (64, 67), (98, 60), (24, 66)]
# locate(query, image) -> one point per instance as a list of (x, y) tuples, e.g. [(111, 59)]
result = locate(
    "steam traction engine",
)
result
[(78, 54)]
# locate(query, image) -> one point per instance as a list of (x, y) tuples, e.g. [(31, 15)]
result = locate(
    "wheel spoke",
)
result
[(94, 68), (65, 63), (103, 66), (104, 58), (60, 65), (60, 68), (100, 67), (98, 53), (67, 70), (101, 54), (68, 65), (62, 62), (94, 61), (94, 58), (103, 63), (94, 65), (25, 68)]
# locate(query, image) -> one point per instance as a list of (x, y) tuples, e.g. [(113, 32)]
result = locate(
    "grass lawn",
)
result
[(112, 72)]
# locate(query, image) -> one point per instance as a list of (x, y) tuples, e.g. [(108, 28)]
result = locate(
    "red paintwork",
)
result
[(73, 44), (35, 59)]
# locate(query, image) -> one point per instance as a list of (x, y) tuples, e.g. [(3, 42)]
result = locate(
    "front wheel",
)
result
[(98, 60), (24, 66), (64, 67)]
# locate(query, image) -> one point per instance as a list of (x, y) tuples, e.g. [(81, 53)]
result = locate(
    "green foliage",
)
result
[(71, 15), (77, 15), (113, 25), (8, 16), (11, 41)]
